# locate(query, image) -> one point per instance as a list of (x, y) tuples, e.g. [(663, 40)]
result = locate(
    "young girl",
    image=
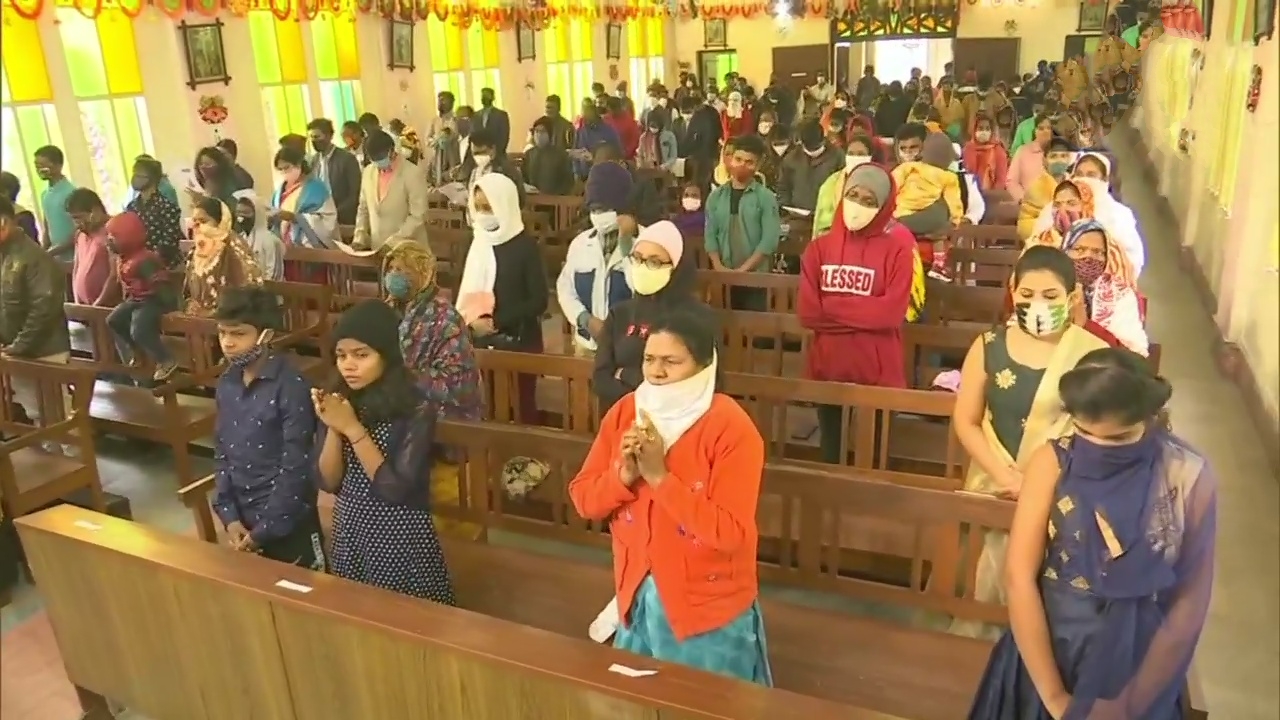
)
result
[(1110, 566), (148, 295), (985, 156), (690, 219), (374, 451), (676, 469)]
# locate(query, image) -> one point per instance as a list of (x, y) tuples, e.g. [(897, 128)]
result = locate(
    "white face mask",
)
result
[(853, 161), (815, 152), (982, 136), (485, 222), (765, 128), (482, 161), (647, 281), (686, 116), (691, 203), (907, 157), (662, 102), (651, 102), (604, 221), (839, 103), (857, 216), (781, 148)]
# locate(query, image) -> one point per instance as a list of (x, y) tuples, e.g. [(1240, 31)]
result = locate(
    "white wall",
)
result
[(1043, 29)]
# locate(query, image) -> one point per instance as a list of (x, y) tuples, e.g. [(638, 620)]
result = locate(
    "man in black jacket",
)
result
[(339, 169), (702, 141), (496, 121), (547, 166), (32, 289)]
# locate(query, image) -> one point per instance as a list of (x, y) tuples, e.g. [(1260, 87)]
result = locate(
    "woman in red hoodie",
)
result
[(986, 156), (855, 286)]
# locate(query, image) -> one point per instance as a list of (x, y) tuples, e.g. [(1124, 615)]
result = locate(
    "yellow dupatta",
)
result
[(1045, 420), (1039, 194)]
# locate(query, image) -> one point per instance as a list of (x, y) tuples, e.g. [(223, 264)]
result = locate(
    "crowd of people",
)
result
[(1057, 408)]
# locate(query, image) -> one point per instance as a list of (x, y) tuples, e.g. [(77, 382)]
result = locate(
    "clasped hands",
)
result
[(335, 412), (643, 453)]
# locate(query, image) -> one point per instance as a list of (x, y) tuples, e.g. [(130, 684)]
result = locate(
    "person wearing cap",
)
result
[(1033, 184), (928, 198), (857, 282), (595, 273), (743, 222), (373, 449), (664, 278)]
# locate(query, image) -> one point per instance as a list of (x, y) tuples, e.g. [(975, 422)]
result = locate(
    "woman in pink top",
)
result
[(1028, 161), (93, 272)]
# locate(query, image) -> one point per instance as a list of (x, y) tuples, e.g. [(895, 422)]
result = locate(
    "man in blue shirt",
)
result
[(264, 493), (59, 229)]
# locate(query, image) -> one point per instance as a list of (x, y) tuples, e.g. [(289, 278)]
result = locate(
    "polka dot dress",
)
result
[(388, 546)]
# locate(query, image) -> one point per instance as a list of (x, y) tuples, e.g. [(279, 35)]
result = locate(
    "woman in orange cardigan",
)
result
[(676, 468)]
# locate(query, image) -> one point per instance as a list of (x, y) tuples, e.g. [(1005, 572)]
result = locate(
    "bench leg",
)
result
[(95, 706)]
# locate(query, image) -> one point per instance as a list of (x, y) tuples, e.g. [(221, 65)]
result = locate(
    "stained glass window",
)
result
[(913, 18), (337, 66), (646, 46), (282, 71), (464, 61), (102, 61), (27, 117), (570, 46)]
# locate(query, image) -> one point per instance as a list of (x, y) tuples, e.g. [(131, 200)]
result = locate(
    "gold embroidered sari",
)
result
[(1045, 421)]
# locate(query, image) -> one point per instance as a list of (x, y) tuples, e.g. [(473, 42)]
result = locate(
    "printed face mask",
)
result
[(1040, 317), (244, 359), (982, 136), (648, 281), (1064, 219), (1088, 270)]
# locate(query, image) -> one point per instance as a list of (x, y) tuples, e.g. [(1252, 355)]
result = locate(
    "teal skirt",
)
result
[(738, 649)]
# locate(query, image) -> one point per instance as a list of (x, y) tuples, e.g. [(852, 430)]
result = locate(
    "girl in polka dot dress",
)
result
[(374, 452)]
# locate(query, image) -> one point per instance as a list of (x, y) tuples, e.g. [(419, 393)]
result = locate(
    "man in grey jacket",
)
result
[(806, 166)]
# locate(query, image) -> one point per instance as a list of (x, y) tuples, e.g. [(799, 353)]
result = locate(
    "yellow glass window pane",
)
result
[(475, 45), (490, 44), (453, 82), (635, 39), (436, 44), (347, 47), (551, 43), (487, 78), (453, 47), (4, 86), (23, 58), (119, 53), (293, 61), (657, 37), (585, 41), (84, 53), (324, 47), (266, 56)]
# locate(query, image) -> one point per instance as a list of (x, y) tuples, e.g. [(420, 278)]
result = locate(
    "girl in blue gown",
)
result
[(1110, 562)]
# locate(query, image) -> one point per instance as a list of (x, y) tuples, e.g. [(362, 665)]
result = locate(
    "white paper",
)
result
[(631, 672), (85, 524), (286, 585), (455, 193), (677, 167), (530, 189), (799, 212), (606, 623)]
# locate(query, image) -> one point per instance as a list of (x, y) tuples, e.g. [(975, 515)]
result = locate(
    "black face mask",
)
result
[(322, 146), (244, 225), (486, 101), (445, 108), (464, 127)]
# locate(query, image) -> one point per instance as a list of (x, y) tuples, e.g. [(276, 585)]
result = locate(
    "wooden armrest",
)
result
[(180, 381), (45, 434), (197, 492)]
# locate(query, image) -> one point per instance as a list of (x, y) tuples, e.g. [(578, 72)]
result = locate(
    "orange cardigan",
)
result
[(696, 532)]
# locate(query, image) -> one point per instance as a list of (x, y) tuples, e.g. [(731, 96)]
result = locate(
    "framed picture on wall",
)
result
[(613, 41), (1081, 45), (206, 58), (525, 46), (715, 34), (400, 45), (1093, 17)]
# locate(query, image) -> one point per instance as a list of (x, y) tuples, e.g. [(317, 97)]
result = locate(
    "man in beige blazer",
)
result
[(393, 197)]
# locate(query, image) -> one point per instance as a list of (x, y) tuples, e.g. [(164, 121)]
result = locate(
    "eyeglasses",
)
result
[(651, 263)]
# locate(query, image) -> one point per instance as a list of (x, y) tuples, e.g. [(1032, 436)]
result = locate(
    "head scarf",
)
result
[(480, 270), (875, 179), (210, 240), (374, 324), (418, 261), (1046, 231), (1113, 300), (1118, 267), (667, 235)]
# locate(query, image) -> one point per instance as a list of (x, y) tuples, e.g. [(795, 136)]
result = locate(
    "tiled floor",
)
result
[(1239, 654)]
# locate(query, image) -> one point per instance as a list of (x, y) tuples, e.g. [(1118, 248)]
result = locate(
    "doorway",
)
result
[(797, 67), (998, 56), (713, 65)]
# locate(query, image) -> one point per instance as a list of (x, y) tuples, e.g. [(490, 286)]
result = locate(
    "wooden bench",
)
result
[(226, 634)]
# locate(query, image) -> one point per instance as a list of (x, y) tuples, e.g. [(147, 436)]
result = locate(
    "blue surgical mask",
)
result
[(397, 285), (383, 164)]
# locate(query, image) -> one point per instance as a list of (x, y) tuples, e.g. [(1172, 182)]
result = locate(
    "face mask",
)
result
[(853, 161), (292, 175), (780, 148), (821, 81), (140, 183), (1086, 141), (662, 102), (908, 156), (604, 221), (839, 103), (444, 108), (814, 152), (397, 285), (654, 129), (487, 222), (1088, 270), (689, 85), (1040, 318), (765, 128), (1057, 169), (383, 164), (541, 139), (647, 281), (482, 161), (982, 136), (856, 215), (690, 203), (464, 127), (651, 102), (247, 357), (687, 116), (321, 146), (1064, 219), (244, 226)]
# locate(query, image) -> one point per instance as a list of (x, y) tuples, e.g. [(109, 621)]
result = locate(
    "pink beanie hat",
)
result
[(666, 234)]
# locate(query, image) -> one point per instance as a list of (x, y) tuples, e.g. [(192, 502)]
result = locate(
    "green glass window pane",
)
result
[(299, 108), (266, 55), (351, 102), (12, 148), (276, 112), (323, 45), (98, 120), (84, 54)]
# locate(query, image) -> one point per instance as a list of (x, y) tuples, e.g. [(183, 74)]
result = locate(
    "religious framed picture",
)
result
[(1093, 16), (526, 49), (613, 41), (206, 59), (715, 33), (1081, 45), (400, 45)]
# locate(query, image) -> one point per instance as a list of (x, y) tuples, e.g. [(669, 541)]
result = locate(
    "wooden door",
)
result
[(797, 67), (998, 56), (842, 65)]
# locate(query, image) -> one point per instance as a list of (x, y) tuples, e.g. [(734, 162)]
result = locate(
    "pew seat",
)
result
[(907, 673), (137, 412)]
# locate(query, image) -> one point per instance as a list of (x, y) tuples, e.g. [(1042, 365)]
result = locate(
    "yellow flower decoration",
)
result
[(1005, 379)]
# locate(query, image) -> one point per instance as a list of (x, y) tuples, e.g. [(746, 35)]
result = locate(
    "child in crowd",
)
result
[(690, 219), (148, 295)]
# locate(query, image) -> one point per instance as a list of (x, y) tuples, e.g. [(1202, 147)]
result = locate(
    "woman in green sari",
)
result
[(1008, 405)]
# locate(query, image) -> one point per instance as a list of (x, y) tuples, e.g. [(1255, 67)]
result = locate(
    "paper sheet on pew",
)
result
[(606, 623), (677, 167), (798, 212), (455, 193), (630, 671)]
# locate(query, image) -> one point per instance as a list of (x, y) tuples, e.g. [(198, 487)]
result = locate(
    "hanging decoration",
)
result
[(893, 19), (1255, 89), (213, 111), (537, 13)]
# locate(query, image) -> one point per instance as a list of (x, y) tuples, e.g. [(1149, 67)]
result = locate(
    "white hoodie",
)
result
[(268, 248)]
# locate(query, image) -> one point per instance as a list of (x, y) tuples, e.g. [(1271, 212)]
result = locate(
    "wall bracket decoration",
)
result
[(400, 45), (206, 57), (1255, 89), (213, 111)]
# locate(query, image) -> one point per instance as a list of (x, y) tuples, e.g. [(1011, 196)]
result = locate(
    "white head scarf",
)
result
[(675, 407), (480, 270)]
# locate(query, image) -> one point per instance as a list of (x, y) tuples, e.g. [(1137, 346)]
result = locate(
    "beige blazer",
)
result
[(402, 213)]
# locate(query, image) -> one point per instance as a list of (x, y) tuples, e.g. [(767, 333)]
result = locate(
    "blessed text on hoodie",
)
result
[(855, 287)]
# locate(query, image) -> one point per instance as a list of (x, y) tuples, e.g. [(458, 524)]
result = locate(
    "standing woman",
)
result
[(985, 157), (1008, 405), (375, 452), (503, 293), (676, 469), (220, 259), (302, 214), (437, 349), (213, 176), (1110, 567)]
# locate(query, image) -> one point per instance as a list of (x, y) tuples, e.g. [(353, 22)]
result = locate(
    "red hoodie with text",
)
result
[(855, 286)]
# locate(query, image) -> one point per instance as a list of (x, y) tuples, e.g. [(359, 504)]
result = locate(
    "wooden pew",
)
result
[(179, 629)]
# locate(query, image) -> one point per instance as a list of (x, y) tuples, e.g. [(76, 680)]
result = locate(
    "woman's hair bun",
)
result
[(1115, 384)]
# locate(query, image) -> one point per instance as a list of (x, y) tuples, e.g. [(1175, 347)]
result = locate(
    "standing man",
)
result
[(393, 197), (867, 89), (338, 168), (743, 223), (441, 154), (557, 125), (58, 237), (592, 134), (496, 121), (32, 290)]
